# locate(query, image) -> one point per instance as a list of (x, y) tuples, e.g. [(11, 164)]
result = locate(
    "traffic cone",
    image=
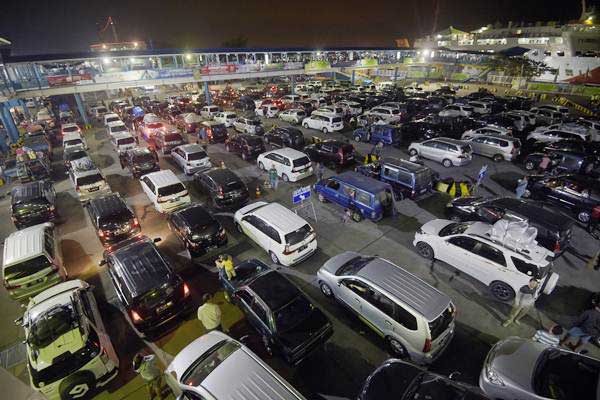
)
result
[(258, 193), (222, 164)]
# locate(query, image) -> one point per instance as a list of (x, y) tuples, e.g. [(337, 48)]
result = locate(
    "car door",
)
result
[(255, 312), (179, 157), (478, 145), (148, 187), (490, 265), (427, 149), (379, 312), (457, 251), (249, 225)]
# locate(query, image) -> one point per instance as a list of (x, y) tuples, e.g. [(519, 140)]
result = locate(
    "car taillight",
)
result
[(287, 251), (186, 290), (135, 222), (557, 247), (341, 152), (161, 200), (11, 287), (100, 233), (135, 316), (427, 346), (77, 188), (220, 193), (209, 133)]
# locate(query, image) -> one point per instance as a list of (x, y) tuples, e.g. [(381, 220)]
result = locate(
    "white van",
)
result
[(267, 111), (116, 128), (287, 238), (226, 117), (122, 142), (110, 118), (32, 261), (72, 140), (87, 180), (165, 190), (324, 123), (69, 352), (209, 111), (291, 165)]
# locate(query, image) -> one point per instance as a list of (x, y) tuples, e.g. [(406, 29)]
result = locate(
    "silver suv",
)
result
[(448, 152), (415, 318), (497, 147)]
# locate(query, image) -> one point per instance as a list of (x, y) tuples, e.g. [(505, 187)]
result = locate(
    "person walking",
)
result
[(521, 187), (524, 300), (273, 178), (147, 367), (319, 171), (209, 314), (544, 164), (225, 266)]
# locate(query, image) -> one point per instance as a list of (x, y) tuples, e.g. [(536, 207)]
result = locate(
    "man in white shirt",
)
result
[(209, 313)]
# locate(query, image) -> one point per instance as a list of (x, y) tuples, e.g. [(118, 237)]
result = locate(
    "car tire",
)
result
[(227, 297), (305, 126), (397, 348), (583, 216), (356, 216), (446, 163), (502, 291), (529, 166), (412, 152), (357, 139), (321, 198), (238, 227), (77, 386), (285, 178), (261, 166), (325, 131), (274, 258), (498, 157), (425, 250), (326, 290), (268, 346)]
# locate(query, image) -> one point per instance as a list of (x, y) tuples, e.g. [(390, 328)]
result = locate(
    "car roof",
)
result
[(222, 174), (362, 182), (406, 287), (23, 244), (449, 140), (163, 177), (274, 289), (71, 136), (280, 216), (192, 148), (194, 214), (123, 135), (400, 163), (111, 204), (26, 192), (288, 152)]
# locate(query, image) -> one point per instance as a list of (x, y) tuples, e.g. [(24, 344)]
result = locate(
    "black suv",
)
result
[(578, 194), (285, 318), (141, 161), (112, 219), (224, 187), (285, 137), (247, 146), (563, 161), (197, 229), (149, 290), (417, 131), (554, 229), (33, 203), (331, 152), (397, 379)]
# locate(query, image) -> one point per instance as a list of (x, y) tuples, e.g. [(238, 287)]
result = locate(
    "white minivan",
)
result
[(291, 165), (73, 139), (283, 234), (122, 142), (226, 117), (165, 190), (209, 111), (323, 123)]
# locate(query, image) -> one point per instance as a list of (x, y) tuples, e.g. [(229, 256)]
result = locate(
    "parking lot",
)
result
[(354, 350)]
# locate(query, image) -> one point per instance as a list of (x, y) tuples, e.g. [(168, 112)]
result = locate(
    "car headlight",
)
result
[(493, 377)]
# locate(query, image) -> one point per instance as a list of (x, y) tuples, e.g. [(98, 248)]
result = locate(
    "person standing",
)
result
[(209, 314), (225, 266), (319, 171), (524, 300), (521, 187), (147, 368), (273, 178)]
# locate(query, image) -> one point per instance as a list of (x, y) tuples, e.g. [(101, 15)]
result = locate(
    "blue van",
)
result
[(364, 196), (387, 134)]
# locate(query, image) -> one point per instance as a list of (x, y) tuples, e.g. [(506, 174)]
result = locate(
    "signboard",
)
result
[(317, 65), (369, 62), (301, 194)]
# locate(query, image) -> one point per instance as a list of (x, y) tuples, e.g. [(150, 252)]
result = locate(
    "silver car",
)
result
[(497, 147), (448, 152), (517, 368), (191, 158)]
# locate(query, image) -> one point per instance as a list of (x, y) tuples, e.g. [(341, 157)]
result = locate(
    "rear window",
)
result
[(89, 179), (197, 156), (208, 362), (298, 235), (465, 149), (252, 141), (144, 158), (440, 324), (173, 137), (253, 122), (299, 162), (72, 142), (71, 129), (118, 128), (128, 140), (335, 120), (354, 265), (155, 125), (102, 110), (26, 268), (171, 189), (31, 206)]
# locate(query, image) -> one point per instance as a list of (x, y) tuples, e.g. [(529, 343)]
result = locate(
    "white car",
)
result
[(503, 256), (554, 135), (267, 111), (456, 110), (350, 107), (226, 117), (73, 139), (448, 152), (291, 165), (117, 128), (70, 128), (290, 98), (285, 236), (191, 158), (292, 115), (323, 123), (388, 114), (486, 130), (69, 352), (110, 118), (332, 111), (122, 142), (165, 190), (209, 111), (150, 118), (87, 180)]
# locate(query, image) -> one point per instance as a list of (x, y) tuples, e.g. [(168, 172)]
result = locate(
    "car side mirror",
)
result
[(102, 262), (156, 239), (19, 321)]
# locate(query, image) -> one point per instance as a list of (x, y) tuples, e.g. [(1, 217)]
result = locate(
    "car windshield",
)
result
[(118, 128), (171, 189), (208, 362), (72, 142), (302, 161), (51, 325), (290, 315), (298, 235), (354, 265), (453, 229), (70, 129), (89, 180), (144, 158), (563, 376), (114, 220), (26, 268), (253, 122), (254, 141), (128, 140)]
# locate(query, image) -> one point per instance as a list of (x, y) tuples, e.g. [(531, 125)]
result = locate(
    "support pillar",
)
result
[(25, 109), (81, 108), (207, 94), (293, 84), (353, 79), (9, 123), (395, 74)]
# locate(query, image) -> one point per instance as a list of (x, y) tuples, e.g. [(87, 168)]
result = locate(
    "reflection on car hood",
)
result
[(433, 227)]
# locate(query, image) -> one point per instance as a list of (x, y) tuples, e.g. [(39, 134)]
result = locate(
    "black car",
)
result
[(554, 229), (563, 161), (577, 194), (248, 146), (306, 106), (331, 152), (225, 188), (285, 137), (285, 318), (197, 229), (112, 219), (33, 203), (518, 103), (400, 380), (578, 146), (141, 161), (417, 131), (147, 287)]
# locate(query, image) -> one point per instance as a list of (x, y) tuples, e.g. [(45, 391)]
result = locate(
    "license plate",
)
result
[(164, 307), (94, 189), (174, 200), (302, 248)]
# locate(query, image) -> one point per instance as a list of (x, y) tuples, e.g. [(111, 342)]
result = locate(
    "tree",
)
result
[(236, 42), (518, 66)]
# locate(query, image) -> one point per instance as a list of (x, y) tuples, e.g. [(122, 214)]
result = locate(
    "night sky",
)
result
[(38, 27)]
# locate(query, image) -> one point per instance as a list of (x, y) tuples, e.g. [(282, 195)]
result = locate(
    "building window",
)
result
[(568, 72)]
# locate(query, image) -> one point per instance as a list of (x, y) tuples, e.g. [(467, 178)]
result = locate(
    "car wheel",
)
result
[(228, 148), (412, 152), (239, 228), (498, 157), (244, 156), (425, 250), (321, 198), (357, 216), (583, 216), (397, 348), (502, 291), (325, 131), (326, 290), (285, 178), (77, 386), (305, 126), (529, 166), (261, 166), (446, 163), (357, 138), (274, 258), (267, 344)]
